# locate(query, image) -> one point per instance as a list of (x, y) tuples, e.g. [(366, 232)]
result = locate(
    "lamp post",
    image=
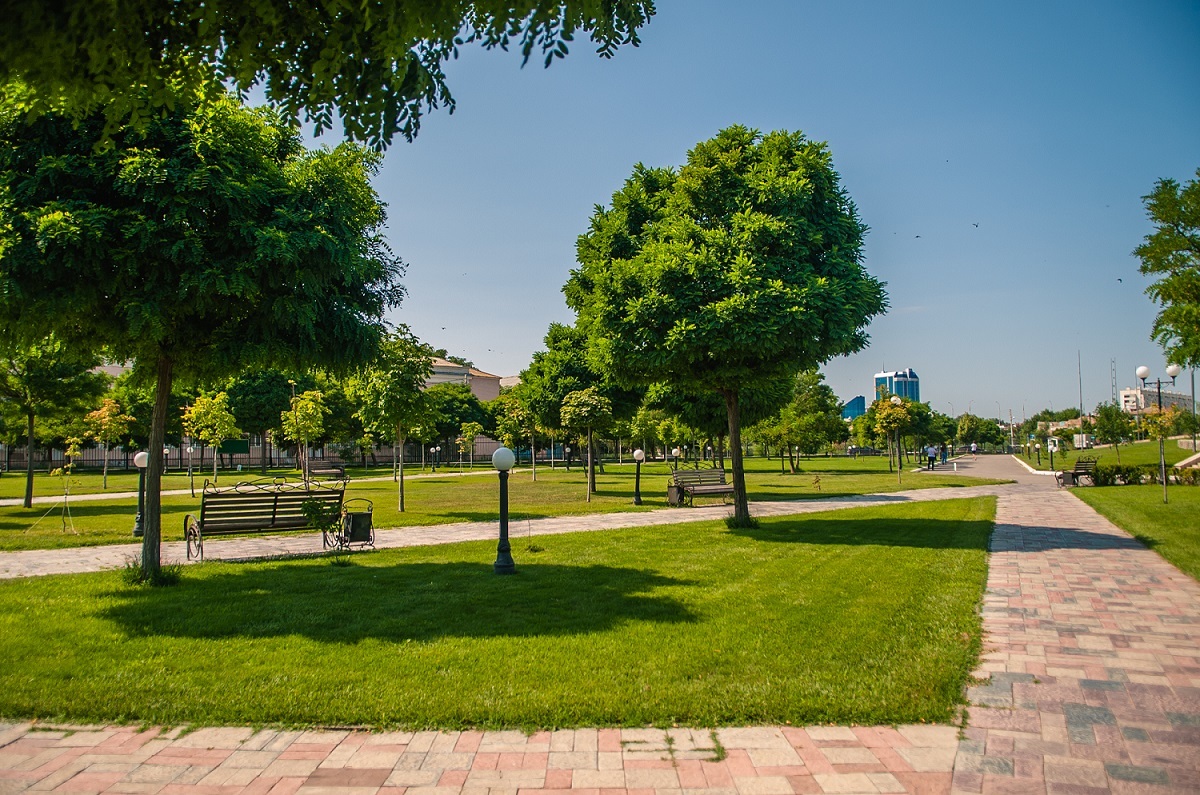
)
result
[(896, 401), (432, 460), (191, 477), (1038, 446), (140, 460), (503, 460), (567, 452), (710, 456), (1143, 373), (638, 457), (675, 458)]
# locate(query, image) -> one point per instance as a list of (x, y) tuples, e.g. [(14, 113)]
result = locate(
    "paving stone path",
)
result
[(1092, 662)]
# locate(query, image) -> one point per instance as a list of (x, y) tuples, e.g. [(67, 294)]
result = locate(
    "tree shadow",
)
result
[(894, 532), (417, 601), (492, 516)]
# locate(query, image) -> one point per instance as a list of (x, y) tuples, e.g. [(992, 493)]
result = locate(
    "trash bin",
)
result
[(674, 496), (357, 525)]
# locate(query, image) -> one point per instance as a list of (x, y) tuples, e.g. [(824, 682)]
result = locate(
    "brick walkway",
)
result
[(1092, 647)]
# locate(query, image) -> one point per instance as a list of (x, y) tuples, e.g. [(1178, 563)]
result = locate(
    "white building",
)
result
[(1139, 399)]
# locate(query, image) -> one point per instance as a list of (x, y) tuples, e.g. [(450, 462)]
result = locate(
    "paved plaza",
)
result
[(1089, 683)]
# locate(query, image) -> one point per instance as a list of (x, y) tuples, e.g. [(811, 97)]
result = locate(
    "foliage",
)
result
[(258, 397), (742, 266), (1112, 426), (108, 425), (375, 65), (43, 377), (210, 420), (208, 242), (451, 405), (467, 433), (512, 417), (1161, 424), (304, 422), (1172, 255), (586, 409)]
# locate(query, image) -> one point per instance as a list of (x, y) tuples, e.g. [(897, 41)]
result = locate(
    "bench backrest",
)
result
[(1085, 465), (264, 508), (699, 477)]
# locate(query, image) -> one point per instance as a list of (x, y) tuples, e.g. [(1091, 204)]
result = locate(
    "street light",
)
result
[(503, 460), (638, 457), (675, 458), (710, 456), (191, 477), (896, 401), (1143, 373), (140, 460), (567, 450), (1039, 453)]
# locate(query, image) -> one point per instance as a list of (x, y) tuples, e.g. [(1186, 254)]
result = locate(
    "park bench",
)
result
[(689, 483), (328, 472), (1084, 467), (257, 507)]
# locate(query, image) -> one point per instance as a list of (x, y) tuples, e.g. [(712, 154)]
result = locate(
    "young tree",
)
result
[(890, 420), (515, 422), (586, 411), (257, 399), (44, 376), (376, 65), (388, 393), (467, 433), (305, 422), (108, 425), (1172, 253), (209, 243), (210, 420), (1111, 426), (743, 265)]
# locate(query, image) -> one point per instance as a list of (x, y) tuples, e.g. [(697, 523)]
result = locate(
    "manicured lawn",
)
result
[(444, 499), (1137, 453), (856, 616), (1171, 530)]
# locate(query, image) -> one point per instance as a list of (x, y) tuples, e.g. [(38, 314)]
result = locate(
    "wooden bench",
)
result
[(1070, 477), (702, 482), (328, 472), (258, 507)]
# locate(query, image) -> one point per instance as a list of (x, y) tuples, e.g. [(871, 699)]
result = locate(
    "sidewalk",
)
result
[(1092, 646)]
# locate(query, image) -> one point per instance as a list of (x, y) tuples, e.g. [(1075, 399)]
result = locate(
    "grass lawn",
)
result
[(444, 499), (1171, 530), (1137, 453), (856, 616)]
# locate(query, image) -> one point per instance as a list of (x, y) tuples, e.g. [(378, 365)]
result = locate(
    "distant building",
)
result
[(899, 382), (855, 407), (1139, 399), (484, 386)]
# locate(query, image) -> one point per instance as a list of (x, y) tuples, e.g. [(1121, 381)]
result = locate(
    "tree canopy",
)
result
[(210, 242), (375, 65), (1172, 254), (743, 265)]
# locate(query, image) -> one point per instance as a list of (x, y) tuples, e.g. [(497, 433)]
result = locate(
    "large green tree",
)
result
[(210, 242), (376, 65), (1171, 254), (258, 397), (44, 376), (744, 264)]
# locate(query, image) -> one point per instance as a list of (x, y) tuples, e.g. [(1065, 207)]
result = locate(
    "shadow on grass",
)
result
[(492, 515), (419, 601), (925, 533)]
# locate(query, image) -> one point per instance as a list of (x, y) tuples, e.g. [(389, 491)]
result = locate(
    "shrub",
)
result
[(1105, 475)]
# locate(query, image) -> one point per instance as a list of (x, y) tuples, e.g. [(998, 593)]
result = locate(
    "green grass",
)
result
[(856, 616), (1171, 530), (1136, 453), (442, 500)]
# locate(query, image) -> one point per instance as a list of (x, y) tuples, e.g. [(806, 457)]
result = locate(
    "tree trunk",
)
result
[(104, 482), (533, 453), (721, 451), (28, 503), (594, 447), (216, 456), (152, 521), (741, 505), (262, 456), (400, 467)]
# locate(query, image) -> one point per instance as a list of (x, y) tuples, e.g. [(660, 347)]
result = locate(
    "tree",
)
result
[(210, 420), (1112, 426), (515, 421), (814, 414), (890, 419), (257, 398), (586, 411), (44, 376), (376, 64), (451, 405), (467, 433), (1172, 253), (305, 422), (742, 266), (388, 393), (211, 243), (108, 425)]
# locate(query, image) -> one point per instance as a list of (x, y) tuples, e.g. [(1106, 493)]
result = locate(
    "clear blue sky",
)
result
[(1043, 123)]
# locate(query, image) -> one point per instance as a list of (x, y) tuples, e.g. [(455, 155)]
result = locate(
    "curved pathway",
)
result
[(1092, 647)]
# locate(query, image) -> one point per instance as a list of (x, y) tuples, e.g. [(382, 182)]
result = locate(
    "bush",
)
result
[(1105, 475), (1137, 474), (1187, 477)]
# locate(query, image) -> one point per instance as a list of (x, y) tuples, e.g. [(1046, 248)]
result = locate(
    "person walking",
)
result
[(945, 453), (931, 454), (974, 452)]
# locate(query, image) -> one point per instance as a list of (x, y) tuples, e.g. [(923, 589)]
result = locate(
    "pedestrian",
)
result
[(931, 454), (945, 453), (974, 451)]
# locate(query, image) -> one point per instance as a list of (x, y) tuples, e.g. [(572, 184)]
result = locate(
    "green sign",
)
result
[(235, 447)]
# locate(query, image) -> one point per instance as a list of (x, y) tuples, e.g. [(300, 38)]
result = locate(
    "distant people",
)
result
[(974, 451), (931, 454), (945, 453)]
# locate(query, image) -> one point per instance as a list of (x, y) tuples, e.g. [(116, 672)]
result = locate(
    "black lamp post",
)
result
[(503, 460), (638, 457), (140, 460), (896, 400), (1143, 373), (1050, 445), (675, 458), (1039, 453), (567, 450)]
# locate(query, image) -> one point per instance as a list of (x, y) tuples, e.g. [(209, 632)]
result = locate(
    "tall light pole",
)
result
[(140, 460), (896, 401), (1143, 373), (503, 460), (638, 457)]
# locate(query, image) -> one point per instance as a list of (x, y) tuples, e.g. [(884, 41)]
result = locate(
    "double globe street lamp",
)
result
[(1143, 373)]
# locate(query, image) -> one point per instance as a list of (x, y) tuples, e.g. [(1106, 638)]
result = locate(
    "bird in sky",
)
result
[(975, 225), (1120, 280), (918, 235)]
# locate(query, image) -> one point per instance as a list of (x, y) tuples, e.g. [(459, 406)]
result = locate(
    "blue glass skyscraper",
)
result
[(899, 382)]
